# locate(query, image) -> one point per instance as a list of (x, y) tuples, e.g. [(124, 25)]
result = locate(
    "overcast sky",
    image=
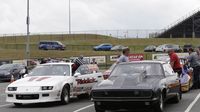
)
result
[(52, 15)]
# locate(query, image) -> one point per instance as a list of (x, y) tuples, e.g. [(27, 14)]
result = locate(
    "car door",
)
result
[(84, 80), (172, 80)]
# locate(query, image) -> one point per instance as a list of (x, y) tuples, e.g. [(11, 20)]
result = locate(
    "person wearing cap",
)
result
[(194, 61), (175, 62), (124, 56)]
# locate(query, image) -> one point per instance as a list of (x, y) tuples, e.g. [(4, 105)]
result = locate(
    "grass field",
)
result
[(13, 47)]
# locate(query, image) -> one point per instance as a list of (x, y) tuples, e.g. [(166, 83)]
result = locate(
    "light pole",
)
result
[(69, 16), (27, 54)]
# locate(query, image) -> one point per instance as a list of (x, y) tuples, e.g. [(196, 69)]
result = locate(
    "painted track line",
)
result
[(5, 105), (83, 108), (193, 103)]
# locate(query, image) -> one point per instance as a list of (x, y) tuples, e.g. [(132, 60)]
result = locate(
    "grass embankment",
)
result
[(80, 44)]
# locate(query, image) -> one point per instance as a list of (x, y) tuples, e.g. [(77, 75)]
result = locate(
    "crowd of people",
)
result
[(192, 61)]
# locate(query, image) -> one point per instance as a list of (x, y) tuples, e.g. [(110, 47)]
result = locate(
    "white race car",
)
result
[(53, 82)]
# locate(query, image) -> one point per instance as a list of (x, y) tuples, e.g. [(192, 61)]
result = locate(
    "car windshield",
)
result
[(60, 43), (131, 69), (6, 66), (50, 70)]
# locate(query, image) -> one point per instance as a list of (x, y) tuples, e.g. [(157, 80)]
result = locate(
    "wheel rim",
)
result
[(161, 102), (66, 97)]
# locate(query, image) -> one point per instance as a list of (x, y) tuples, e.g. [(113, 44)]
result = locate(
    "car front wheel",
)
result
[(160, 104), (65, 96)]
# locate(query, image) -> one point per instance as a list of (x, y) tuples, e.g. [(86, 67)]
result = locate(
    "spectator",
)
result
[(93, 61), (194, 61), (175, 62), (124, 56)]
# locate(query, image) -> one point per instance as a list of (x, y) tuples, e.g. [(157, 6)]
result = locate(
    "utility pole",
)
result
[(69, 16), (27, 54)]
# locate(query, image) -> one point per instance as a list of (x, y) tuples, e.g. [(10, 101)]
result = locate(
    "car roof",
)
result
[(146, 61), (58, 63)]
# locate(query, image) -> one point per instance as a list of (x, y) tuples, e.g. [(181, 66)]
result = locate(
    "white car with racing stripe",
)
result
[(53, 82)]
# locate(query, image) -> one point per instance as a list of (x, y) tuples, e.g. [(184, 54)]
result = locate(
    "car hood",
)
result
[(38, 81), (137, 82), (4, 71)]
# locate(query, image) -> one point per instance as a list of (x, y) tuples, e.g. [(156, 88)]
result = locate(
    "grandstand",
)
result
[(185, 28)]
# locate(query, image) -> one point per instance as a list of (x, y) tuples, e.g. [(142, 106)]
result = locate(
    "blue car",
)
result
[(103, 47), (51, 45)]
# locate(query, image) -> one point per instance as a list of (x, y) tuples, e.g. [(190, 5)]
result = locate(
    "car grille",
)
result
[(27, 96), (122, 94)]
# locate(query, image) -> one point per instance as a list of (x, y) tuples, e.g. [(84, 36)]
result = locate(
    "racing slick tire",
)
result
[(65, 95), (159, 106), (97, 108), (18, 104)]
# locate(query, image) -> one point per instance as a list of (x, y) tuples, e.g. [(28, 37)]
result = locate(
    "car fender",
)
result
[(69, 81)]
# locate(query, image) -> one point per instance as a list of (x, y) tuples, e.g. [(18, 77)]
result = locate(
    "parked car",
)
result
[(150, 48), (103, 47), (7, 70), (136, 85), (53, 82), (167, 47), (118, 48), (51, 45), (186, 47)]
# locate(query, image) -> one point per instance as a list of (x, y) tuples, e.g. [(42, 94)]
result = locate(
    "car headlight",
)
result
[(47, 87), (12, 88)]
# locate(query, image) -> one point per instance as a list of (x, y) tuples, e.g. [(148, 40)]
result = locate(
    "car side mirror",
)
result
[(77, 74)]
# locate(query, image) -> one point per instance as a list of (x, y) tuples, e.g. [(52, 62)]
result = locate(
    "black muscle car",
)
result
[(135, 85)]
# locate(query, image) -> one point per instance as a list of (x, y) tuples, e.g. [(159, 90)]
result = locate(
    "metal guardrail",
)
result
[(121, 33)]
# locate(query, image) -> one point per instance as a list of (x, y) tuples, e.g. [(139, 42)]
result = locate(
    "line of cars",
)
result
[(108, 47), (167, 47), (143, 83)]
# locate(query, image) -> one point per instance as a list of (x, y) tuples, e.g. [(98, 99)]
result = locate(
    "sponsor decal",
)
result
[(86, 81), (114, 57), (136, 57)]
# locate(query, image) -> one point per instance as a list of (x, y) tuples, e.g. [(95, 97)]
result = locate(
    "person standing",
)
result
[(175, 62), (124, 56), (194, 61)]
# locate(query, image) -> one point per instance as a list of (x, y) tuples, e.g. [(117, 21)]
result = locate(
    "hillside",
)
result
[(13, 47)]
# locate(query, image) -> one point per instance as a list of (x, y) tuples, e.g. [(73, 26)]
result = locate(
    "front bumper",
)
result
[(33, 97), (5, 77), (129, 104)]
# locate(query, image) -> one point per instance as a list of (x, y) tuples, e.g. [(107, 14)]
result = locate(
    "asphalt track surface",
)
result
[(189, 103)]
